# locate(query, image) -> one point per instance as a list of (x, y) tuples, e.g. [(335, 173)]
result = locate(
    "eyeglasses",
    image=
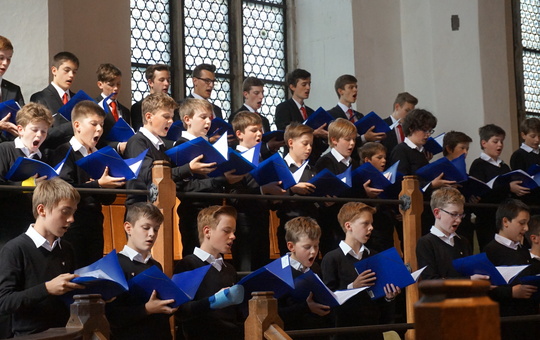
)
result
[(454, 215), (207, 81), (429, 132)]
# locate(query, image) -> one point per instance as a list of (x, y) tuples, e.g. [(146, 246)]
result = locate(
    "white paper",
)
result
[(508, 272), (415, 275)]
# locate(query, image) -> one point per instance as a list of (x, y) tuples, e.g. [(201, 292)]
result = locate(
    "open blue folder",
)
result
[(185, 152), (182, 288), (9, 106), (104, 277), (219, 127), (24, 168), (528, 181), (66, 109), (326, 183), (480, 264), (434, 145), (318, 119), (453, 170), (120, 132), (95, 163), (533, 280), (473, 186), (275, 276), (389, 268), (279, 135), (237, 162), (379, 180), (371, 119), (273, 169), (175, 131)]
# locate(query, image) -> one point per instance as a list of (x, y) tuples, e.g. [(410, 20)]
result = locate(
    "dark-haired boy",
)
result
[(528, 153), (403, 104), (204, 79)]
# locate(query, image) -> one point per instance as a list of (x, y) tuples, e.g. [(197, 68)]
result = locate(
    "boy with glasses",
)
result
[(204, 79)]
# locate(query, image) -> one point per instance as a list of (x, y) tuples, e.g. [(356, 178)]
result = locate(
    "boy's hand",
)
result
[(329, 204), (365, 279), (273, 188), (440, 182), (429, 155), (371, 136), (320, 132), (157, 306), (517, 189), (39, 179), (303, 188), (371, 192), (214, 138), (479, 277), (232, 178), (121, 147), (523, 291), (200, 168), (8, 126), (317, 308), (474, 199), (391, 291), (274, 145), (62, 284), (107, 181)]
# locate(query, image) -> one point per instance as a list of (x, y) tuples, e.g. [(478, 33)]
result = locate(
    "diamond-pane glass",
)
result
[(530, 24), (273, 95), (531, 81), (150, 40)]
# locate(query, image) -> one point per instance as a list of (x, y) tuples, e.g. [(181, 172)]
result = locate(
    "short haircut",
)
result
[(446, 195), (488, 131), (452, 139), (33, 113), (51, 191), (243, 119), (5, 44), (85, 108), (370, 149), (190, 105), (210, 217), (197, 71), (509, 209), (419, 120), (139, 210), (343, 80), (107, 72), (62, 57), (530, 125), (150, 70), (405, 97), (341, 128), (157, 101), (351, 211), (294, 76), (302, 226), (295, 130), (534, 227), (249, 82)]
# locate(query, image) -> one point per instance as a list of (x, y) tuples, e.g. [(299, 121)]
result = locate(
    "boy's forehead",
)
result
[(249, 127), (255, 89), (452, 207), (201, 111), (68, 63), (496, 137), (303, 80)]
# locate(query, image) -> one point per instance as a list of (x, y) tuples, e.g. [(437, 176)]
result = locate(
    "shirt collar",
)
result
[(485, 157), (207, 257), (344, 107), (133, 255), (339, 157), (60, 91), (77, 146), (288, 159), (411, 145), (241, 148), (41, 241), (347, 250), (393, 119), (20, 145), (529, 149), (297, 265), (250, 109), (155, 140), (447, 239), (189, 136), (506, 242), (533, 256), (297, 104), (197, 96)]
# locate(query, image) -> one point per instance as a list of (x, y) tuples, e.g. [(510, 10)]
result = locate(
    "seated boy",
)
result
[(512, 218), (86, 233), (212, 314), (339, 272), (36, 266), (9, 90), (33, 122), (130, 319), (302, 235)]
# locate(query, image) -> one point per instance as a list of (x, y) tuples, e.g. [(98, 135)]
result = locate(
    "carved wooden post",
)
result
[(411, 211), (163, 250), (262, 313), (456, 309), (88, 313)]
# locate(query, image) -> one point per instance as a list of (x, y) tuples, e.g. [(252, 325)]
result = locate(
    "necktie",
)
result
[(114, 110), (401, 136), (304, 112), (350, 113), (65, 98)]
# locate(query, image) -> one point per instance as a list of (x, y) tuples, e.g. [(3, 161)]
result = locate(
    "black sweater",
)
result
[(438, 255)]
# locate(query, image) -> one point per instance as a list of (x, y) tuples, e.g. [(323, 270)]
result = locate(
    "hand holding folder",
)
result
[(275, 276), (220, 127), (434, 145), (480, 264), (453, 170), (95, 164), (185, 152), (273, 169), (66, 109), (24, 168), (371, 119), (318, 119), (278, 135), (9, 107), (379, 180), (120, 132), (328, 184), (236, 162)]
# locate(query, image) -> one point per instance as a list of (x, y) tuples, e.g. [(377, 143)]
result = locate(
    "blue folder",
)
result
[(309, 283), (527, 180), (273, 169), (24, 168), (389, 268), (326, 183), (175, 131), (120, 132), (451, 171), (95, 163), (275, 276), (533, 280), (473, 186), (279, 135), (220, 127), (318, 119), (182, 288), (371, 119), (534, 169), (104, 277), (378, 179), (479, 264), (237, 162), (9, 106), (66, 109), (434, 145), (185, 152)]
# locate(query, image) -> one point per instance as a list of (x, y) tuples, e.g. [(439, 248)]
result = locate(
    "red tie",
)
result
[(304, 112), (114, 111), (401, 136), (350, 113), (65, 98)]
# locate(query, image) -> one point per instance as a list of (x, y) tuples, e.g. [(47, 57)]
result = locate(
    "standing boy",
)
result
[(528, 153), (36, 266), (8, 90), (212, 314), (129, 318), (404, 103), (204, 79)]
